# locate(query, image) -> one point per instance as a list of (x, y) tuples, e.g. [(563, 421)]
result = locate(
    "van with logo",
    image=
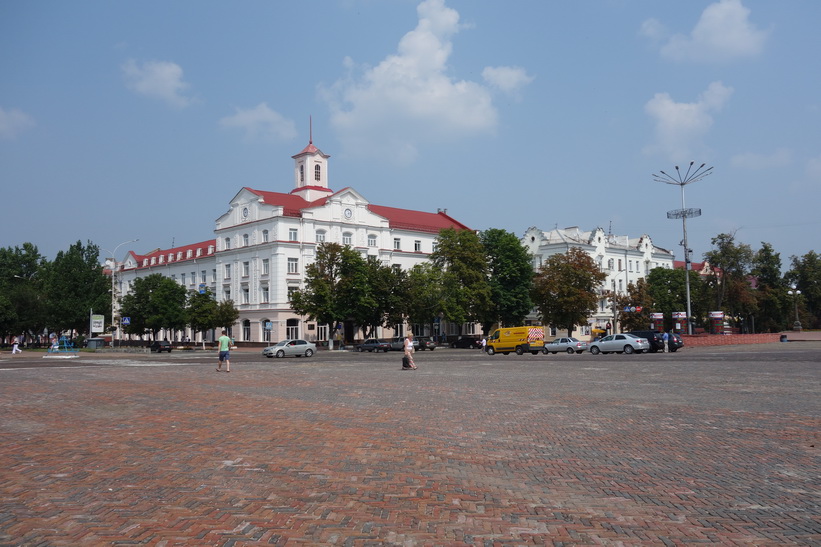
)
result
[(517, 339)]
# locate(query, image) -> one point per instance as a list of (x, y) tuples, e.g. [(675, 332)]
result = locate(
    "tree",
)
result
[(638, 296), (385, 299), (334, 286), (76, 285), (466, 290), (770, 290), (201, 311), (565, 289), (22, 296), (668, 293), (806, 275), (731, 264), (424, 294), (511, 278), (225, 314), (155, 302)]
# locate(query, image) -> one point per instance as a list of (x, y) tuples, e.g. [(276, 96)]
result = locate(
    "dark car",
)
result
[(655, 339), (372, 344), (160, 346), (467, 342), (675, 342), (423, 342)]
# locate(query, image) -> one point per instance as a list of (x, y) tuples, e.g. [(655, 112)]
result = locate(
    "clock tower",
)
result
[(311, 173)]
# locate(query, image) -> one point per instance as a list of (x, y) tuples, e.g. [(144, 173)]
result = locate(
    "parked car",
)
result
[(569, 345), (467, 342), (372, 344), (160, 346), (290, 348), (655, 339), (620, 343), (675, 342), (423, 342)]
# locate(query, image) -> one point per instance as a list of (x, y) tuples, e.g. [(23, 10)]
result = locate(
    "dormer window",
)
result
[(179, 255), (171, 257), (162, 259), (317, 173), (199, 251), (145, 262), (210, 249), (189, 253), (153, 260)]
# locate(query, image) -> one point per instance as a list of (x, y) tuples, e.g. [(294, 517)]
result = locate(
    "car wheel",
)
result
[(519, 350), (435, 348), (570, 351), (280, 354), (309, 352), (544, 351), (490, 350), (595, 350), (628, 349)]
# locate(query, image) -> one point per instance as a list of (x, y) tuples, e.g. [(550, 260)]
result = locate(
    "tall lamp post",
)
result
[(114, 268), (681, 180), (795, 293)]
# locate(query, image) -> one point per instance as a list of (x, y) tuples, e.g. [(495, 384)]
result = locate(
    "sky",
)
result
[(142, 120)]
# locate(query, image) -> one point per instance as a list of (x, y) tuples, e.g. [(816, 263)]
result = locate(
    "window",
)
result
[(292, 235), (246, 295), (162, 259), (263, 291), (193, 277), (266, 330), (265, 236), (292, 328), (227, 242), (173, 277), (371, 240), (301, 173), (179, 255), (210, 249), (630, 265), (226, 294), (266, 266), (317, 173), (182, 279), (620, 269), (246, 330), (203, 276), (293, 265), (171, 257), (435, 247), (291, 291), (246, 269), (214, 275), (610, 264), (320, 236), (153, 260), (621, 286), (397, 244), (227, 272), (346, 238), (199, 252), (417, 246)]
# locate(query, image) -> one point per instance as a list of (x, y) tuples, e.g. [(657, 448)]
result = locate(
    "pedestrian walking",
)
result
[(666, 339), (225, 352), (484, 344), (15, 346), (408, 358)]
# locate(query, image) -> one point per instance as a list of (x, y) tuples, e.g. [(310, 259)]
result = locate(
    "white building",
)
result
[(265, 240), (625, 260)]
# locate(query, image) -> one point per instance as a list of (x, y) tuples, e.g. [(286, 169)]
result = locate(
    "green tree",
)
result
[(75, 285), (22, 296), (201, 311), (154, 303), (384, 302), (770, 290), (565, 289), (806, 275), (668, 293), (335, 286), (424, 294), (731, 264), (225, 314), (638, 296), (511, 278), (465, 287)]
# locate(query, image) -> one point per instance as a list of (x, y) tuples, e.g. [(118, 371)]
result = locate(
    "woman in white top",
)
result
[(409, 350)]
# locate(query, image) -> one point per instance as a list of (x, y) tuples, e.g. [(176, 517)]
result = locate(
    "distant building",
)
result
[(625, 260), (266, 239)]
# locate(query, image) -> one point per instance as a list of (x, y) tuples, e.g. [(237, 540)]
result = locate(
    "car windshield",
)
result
[(284, 342)]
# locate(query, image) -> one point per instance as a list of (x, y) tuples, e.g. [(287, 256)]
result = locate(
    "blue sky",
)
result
[(125, 120)]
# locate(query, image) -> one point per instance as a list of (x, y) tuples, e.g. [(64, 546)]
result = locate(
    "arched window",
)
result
[(246, 330), (265, 236), (227, 242), (317, 173), (266, 325), (244, 240)]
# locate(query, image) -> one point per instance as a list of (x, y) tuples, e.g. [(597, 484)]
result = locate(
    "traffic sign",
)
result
[(126, 321)]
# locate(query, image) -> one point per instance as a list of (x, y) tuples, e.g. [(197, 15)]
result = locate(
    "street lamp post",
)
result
[(114, 268), (682, 180), (795, 293)]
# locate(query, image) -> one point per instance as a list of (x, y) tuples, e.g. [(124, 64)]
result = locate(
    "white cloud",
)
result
[(157, 79), (723, 33), (509, 79), (749, 160), (13, 122), (680, 126), (653, 29), (261, 122), (409, 99)]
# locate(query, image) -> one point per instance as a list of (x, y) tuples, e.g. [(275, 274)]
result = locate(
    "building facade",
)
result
[(265, 240), (624, 259)]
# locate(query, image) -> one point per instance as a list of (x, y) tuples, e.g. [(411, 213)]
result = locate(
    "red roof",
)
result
[(404, 219), (204, 246)]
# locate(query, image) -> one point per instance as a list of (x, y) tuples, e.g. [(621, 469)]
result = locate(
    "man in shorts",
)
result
[(224, 347)]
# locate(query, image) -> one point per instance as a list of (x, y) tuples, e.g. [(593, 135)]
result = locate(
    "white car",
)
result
[(620, 343), (290, 348), (569, 345)]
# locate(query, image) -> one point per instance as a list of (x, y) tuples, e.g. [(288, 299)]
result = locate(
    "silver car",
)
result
[(620, 343), (290, 348), (569, 345)]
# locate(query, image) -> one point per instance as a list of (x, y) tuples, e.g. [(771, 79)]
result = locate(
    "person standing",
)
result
[(15, 346), (666, 339), (224, 349), (484, 344), (409, 350)]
